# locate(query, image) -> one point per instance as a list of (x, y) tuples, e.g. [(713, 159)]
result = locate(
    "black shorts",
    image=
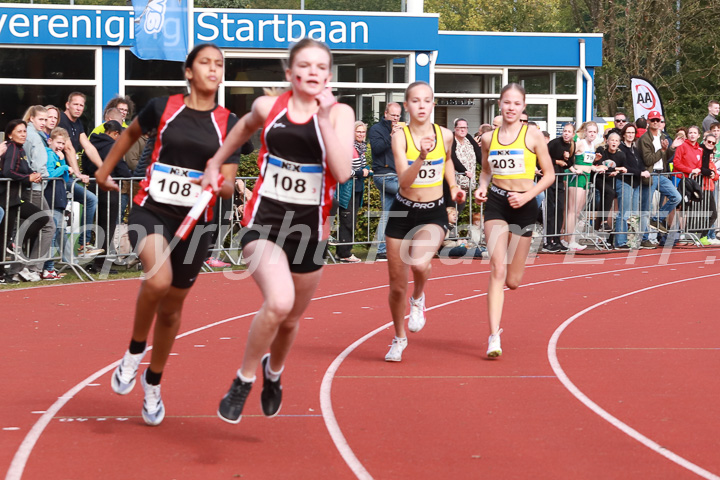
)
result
[(408, 216), (187, 257), (520, 220), (305, 255)]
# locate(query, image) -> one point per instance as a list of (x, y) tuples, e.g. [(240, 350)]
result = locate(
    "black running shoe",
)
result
[(271, 397), (231, 405), (551, 247)]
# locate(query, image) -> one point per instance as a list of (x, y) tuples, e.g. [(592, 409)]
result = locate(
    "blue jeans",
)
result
[(388, 186), (124, 201), (58, 217), (89, 201), (646, 192), (628, 202), (711, 233), (668, 192)]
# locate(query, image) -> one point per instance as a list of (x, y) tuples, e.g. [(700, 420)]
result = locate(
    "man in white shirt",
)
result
[(656, 151)]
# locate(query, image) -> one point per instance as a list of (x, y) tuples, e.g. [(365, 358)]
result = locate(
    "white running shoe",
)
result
[(396, 349), (153, 411), (123, 378), (576, 247), (494, 348), (417, 314)]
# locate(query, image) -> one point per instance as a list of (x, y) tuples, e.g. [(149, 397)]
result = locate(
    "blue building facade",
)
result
[(48, 51)]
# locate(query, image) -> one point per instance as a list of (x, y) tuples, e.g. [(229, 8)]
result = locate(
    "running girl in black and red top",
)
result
[(307, 142), (190, 129)]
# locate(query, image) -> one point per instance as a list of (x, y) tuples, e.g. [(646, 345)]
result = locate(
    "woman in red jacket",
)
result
[(688, 155)]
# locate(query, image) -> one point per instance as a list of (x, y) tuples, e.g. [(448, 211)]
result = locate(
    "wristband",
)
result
[(454, 186)]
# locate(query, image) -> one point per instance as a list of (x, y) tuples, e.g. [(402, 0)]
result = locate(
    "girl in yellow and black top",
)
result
[(418, 216), (510, 155)]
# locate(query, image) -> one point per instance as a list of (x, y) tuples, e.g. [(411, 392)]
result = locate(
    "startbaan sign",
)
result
[(113, 26)]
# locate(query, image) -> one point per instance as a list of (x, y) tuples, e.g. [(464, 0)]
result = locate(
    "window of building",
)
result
[(45, 76), (136, 69)]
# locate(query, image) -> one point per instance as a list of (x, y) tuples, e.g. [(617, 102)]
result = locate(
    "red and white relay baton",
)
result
[(200, 205)]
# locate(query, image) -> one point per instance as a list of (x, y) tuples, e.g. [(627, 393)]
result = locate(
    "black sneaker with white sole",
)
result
[(231, 405), (271, 397)]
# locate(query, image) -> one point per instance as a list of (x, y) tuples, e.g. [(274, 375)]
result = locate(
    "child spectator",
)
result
[(56, 191), (453, 247)]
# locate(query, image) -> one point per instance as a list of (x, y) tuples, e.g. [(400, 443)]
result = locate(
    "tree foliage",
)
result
[(497, 15), (672, 43)]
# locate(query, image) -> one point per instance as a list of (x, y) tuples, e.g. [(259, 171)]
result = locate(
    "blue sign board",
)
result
[(227, 28), (518, 49), (65, 26), (250, 29)]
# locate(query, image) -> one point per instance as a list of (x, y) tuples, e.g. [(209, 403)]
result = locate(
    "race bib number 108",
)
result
[(292, 182), (172, 185)]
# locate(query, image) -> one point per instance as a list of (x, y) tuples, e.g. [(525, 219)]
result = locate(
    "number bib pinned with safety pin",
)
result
[(292, 182), (172, 185), (507, 162)]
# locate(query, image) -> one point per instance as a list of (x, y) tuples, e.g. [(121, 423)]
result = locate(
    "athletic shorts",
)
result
[(186, 258), (579, 180), (304, 255), (407, 216), (521, 220)]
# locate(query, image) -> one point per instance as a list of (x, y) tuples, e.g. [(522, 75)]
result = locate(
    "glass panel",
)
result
[(566, 110), (565, 83), (136, 69), (399, 74), (47, 64), (373, 73), (142, 95), (239, 99), (538, 114), (466, 83), (355, 67), (254, 69), (534, 81), (476, 113), (17, 98), (369, 104)]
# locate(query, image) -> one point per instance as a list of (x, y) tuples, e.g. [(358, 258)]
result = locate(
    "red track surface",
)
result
[(648, 359)]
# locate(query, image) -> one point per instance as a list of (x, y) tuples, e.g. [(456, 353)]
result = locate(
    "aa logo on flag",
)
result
[(645, 97)]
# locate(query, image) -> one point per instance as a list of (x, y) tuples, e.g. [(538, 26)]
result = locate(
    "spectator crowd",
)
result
[(634, 185)]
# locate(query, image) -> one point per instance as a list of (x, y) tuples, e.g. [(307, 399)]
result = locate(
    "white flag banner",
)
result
[(645, 97)]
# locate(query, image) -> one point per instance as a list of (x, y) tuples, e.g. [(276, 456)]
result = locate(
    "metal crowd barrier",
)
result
[(635, 210), (603, 213)]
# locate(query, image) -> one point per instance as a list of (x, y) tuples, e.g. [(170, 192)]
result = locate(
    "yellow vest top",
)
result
[(511, 161), (433, 169)]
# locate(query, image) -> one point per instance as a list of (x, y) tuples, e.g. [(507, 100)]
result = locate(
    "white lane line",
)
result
[(326, 386), (628, 430), (22, 454)]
